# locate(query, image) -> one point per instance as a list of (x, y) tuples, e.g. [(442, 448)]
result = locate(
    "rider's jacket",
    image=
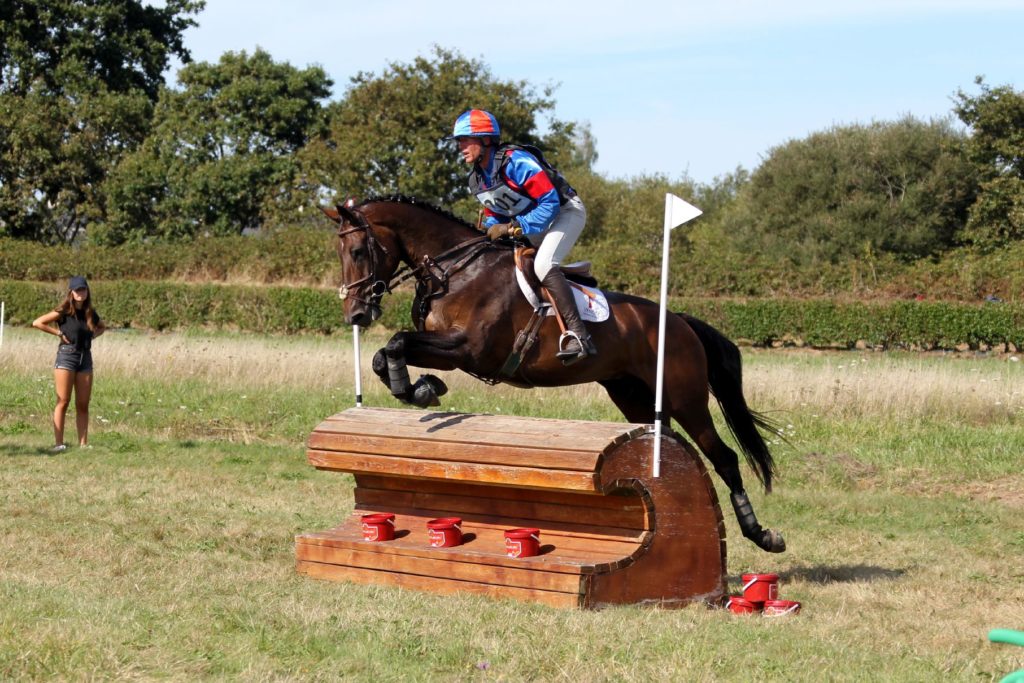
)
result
[(516, 184)]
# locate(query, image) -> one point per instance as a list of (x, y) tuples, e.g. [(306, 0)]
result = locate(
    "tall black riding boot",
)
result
[(575, 343)]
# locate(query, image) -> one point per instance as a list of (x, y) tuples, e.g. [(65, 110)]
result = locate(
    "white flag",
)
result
[(680, 211)]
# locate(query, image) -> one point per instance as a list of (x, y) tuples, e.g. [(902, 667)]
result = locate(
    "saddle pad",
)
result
[(590, 301)]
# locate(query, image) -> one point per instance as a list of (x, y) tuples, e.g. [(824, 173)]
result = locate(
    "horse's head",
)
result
[(366, 264)]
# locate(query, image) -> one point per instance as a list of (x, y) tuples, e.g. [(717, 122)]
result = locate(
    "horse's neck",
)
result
[(423, 233)]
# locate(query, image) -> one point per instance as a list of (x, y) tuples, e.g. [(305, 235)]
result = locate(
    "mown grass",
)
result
[(165, 551)]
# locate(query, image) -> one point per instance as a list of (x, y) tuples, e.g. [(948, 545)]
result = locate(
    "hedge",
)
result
[(275, 309)]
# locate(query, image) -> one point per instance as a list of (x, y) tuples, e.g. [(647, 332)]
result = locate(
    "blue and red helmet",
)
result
[(476, 123)]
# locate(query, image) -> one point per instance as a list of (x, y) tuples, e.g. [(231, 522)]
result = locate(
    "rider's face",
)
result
[(471, 149)]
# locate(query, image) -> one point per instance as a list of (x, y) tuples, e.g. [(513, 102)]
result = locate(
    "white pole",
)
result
[(359, 377), (3, 304), (677, 212)]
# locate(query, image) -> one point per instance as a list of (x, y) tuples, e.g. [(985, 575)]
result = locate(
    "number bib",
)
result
[(503, 200)]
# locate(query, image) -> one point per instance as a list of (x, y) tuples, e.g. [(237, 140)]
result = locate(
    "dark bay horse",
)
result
[(468, 312)]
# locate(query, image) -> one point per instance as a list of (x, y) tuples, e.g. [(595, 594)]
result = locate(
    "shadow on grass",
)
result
[(826, 574), (852, 573), (18, 450)]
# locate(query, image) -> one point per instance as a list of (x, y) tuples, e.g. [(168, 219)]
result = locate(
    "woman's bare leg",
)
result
[(64, 382), (83, 392)]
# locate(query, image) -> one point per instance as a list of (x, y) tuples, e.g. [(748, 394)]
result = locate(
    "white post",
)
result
[(3, 304), (677, 212), (359, 379)]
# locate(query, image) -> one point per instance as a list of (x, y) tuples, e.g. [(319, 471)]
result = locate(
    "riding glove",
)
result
[(497, 230)]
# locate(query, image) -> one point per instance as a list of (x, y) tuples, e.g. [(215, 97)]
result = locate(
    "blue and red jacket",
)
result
[(515, 184)]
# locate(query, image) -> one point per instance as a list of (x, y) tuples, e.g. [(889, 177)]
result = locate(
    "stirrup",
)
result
[(569, 356)]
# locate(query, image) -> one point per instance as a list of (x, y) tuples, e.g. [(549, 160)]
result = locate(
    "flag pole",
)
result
[(677, 212), (358, 369)]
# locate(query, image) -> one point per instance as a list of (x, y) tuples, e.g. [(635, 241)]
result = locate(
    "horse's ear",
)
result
[(333, 214)]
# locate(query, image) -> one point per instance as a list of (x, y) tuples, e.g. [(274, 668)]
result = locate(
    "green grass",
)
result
[(166, 550)]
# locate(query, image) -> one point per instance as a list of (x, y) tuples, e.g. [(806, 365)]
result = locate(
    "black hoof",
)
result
[(380, 365), (772, 541), (440, 388), (426, 391)]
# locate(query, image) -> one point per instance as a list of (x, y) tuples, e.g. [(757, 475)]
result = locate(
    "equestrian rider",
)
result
[(524, 196)]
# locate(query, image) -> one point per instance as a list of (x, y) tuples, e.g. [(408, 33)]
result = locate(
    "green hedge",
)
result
[(267, 309)]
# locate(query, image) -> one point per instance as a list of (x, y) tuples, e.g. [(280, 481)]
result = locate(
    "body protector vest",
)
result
[(505, 199)]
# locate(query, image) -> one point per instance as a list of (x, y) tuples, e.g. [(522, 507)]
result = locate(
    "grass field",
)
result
[(165, 550)]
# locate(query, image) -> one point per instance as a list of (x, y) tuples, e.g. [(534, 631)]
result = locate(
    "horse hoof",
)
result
[(424, 393), (773, 541), (438, 385), (380, 364)]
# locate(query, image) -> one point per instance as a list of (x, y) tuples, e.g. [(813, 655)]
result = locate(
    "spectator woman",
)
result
[(77, 325)]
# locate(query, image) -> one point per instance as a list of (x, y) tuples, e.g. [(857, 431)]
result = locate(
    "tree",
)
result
[(78, 79), (386, 134), (221, 157), (996, 145), (900, 188)]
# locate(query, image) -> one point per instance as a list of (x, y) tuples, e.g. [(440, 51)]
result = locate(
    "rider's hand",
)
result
[(497, 230)]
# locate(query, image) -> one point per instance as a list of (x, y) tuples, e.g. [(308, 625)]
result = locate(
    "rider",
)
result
[(523, 195)]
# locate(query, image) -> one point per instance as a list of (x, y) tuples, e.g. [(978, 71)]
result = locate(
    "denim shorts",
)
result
[(69, 358)]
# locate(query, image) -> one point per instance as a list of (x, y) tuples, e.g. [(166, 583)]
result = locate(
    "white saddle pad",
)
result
[(590, 301)]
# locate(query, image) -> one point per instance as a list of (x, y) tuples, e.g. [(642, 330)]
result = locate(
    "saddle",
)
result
[(578, 272)]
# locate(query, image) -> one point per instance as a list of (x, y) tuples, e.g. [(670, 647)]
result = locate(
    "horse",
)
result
[(468, 313)]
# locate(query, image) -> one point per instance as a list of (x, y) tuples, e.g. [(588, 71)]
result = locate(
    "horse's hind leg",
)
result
[(697, 423)]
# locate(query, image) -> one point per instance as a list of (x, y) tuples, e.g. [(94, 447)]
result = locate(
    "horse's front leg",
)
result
[(422, 349)]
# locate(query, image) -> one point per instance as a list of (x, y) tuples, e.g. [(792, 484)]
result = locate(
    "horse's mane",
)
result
[(405, 199)]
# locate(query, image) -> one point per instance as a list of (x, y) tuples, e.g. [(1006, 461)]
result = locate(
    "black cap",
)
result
[(77, 282)]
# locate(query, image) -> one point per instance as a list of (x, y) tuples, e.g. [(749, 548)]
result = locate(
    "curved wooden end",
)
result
[(684, 557)]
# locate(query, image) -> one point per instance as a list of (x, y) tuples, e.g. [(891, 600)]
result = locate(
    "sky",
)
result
[(676, 88)]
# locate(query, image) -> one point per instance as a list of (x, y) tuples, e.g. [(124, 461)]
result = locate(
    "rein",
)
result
[(430, 276)]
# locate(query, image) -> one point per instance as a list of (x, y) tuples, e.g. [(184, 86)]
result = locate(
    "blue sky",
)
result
[(674, 88)]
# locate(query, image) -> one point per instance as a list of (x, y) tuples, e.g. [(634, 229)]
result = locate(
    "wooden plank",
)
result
[(576, 534), (402, 445), (436, 585), (439, 565), (486, 545), (629, 520), (590, 443), (590, 498), (528, 477), (589, 434)]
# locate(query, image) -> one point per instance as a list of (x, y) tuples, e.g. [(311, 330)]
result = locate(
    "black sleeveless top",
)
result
[(75, 330)]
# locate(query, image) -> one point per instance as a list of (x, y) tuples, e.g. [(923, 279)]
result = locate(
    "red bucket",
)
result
[(738, 605), (444, 532), (760, 588), (522, 542), (379, 526), (780, 608)]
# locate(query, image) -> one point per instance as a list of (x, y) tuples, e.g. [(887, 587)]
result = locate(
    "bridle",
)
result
[(379, 287)]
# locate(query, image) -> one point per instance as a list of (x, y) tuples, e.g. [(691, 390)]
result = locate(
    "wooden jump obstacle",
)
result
[(610, 532)]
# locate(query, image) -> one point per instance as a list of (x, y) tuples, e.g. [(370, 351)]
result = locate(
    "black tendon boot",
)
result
[(575, 343)]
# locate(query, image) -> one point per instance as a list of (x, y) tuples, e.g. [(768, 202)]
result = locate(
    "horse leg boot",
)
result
[(766, 539), (575, 343)]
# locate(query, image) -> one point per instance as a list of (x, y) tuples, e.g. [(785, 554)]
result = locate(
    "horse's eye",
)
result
[(358, 253)]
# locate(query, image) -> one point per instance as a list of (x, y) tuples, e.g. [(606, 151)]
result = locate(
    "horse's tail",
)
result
[(725, 378)]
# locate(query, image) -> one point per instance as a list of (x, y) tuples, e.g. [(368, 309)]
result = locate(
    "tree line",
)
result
[(96, 147)]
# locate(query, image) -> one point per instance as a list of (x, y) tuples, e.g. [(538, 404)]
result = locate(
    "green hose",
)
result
[(1005, 635)]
